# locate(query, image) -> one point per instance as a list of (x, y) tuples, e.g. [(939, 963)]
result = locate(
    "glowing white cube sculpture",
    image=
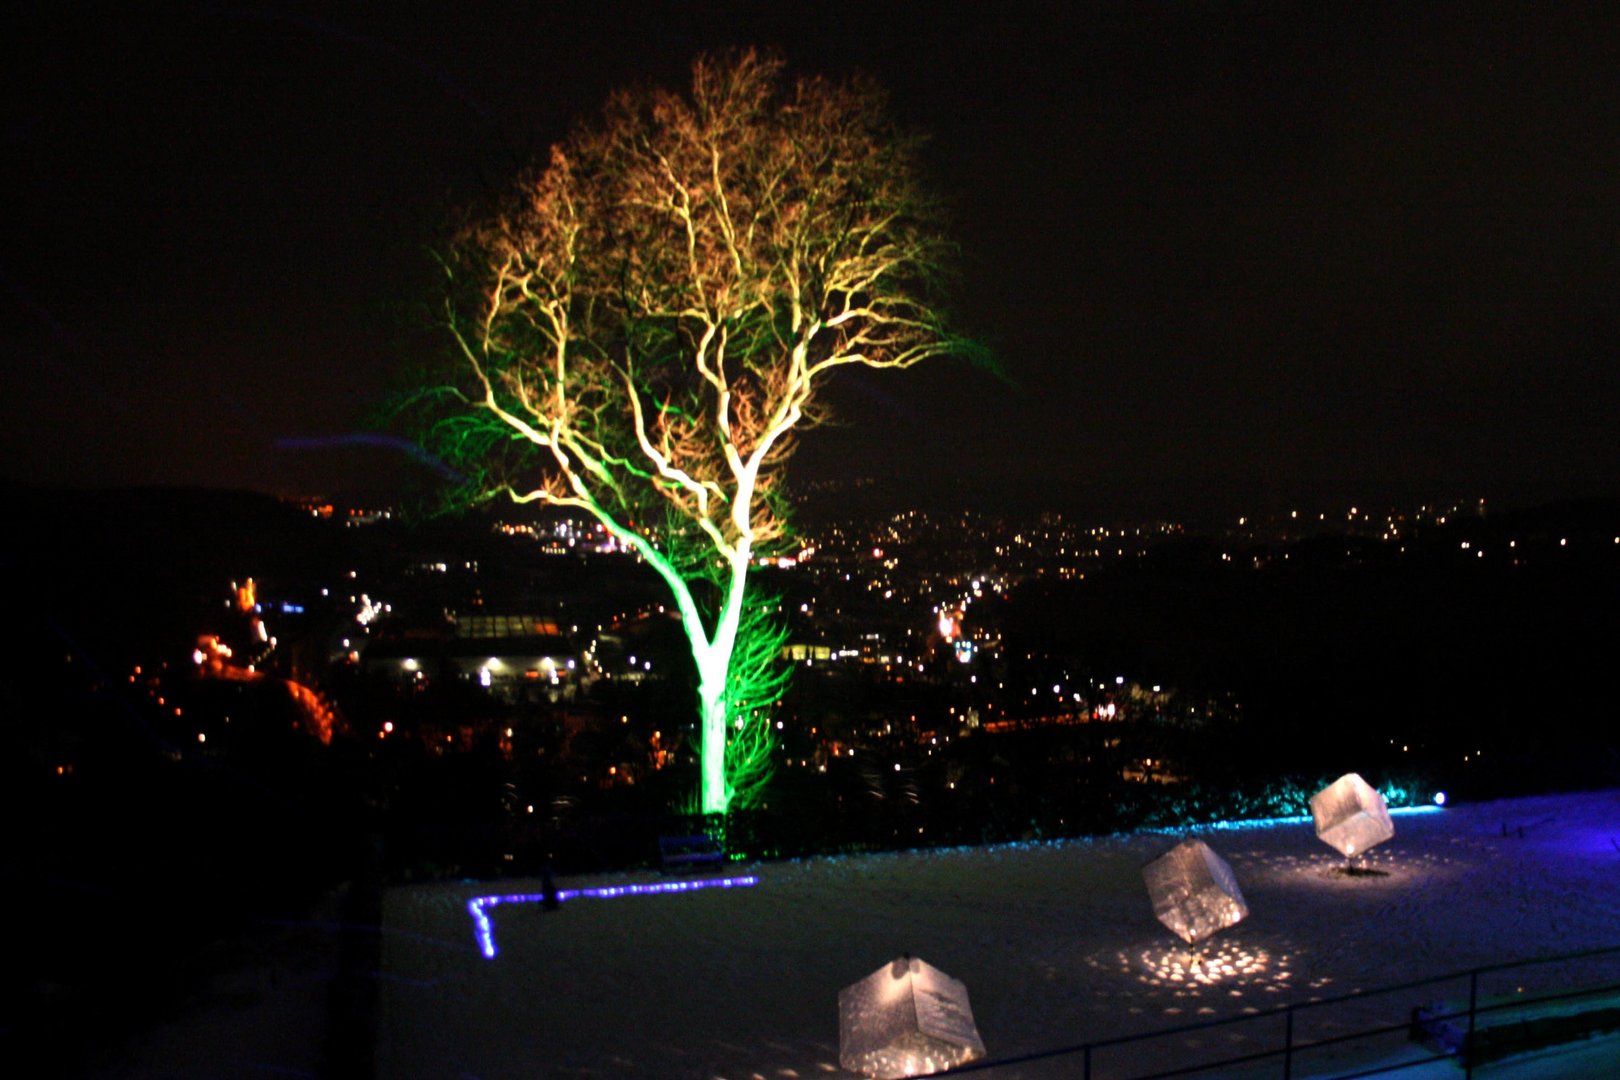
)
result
[(1194, 892), (905, 1019), (1351, 816)]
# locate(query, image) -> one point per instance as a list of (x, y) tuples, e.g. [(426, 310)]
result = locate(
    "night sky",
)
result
[(1231, 256)]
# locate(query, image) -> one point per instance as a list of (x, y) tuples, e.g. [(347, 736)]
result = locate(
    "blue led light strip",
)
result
[(1293, 819), (484, 931)]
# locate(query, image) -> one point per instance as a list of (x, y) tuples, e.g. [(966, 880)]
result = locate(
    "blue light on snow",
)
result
[(1297, 819), (484, 931)]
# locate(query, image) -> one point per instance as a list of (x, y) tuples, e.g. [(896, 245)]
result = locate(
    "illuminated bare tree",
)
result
[(646, 323)]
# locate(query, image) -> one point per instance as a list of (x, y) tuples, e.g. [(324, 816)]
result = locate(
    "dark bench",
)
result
[(684, 852)]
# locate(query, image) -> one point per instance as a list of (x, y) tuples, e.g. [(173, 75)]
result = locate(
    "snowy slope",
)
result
[(1056, 943)]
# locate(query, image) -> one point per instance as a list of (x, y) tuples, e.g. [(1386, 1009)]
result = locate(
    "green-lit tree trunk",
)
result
[(712, 748), (713, 653), (713, 659)]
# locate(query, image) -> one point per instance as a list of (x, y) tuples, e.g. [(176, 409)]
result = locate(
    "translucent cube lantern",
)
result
[(1351, 816), (1194, 892), (905, 1019)]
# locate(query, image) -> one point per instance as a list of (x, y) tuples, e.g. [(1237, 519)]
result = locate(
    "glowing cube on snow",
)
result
[(1194, 892), (905, 1019), (1351, 816)]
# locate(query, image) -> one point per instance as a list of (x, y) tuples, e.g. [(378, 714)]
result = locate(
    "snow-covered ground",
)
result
[(1056, 943)]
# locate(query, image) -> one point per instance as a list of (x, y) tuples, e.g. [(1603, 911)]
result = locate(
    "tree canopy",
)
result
[(642, 326)]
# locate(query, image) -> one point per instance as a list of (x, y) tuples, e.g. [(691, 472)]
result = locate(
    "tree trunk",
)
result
[(712, 794), (714, 665)]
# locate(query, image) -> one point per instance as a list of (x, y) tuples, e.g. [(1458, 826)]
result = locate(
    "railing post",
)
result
[(1088, 1061), (1288, 1044), (1468, 1043)]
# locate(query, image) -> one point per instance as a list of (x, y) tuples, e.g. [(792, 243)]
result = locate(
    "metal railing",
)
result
[(1466, 1052)]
